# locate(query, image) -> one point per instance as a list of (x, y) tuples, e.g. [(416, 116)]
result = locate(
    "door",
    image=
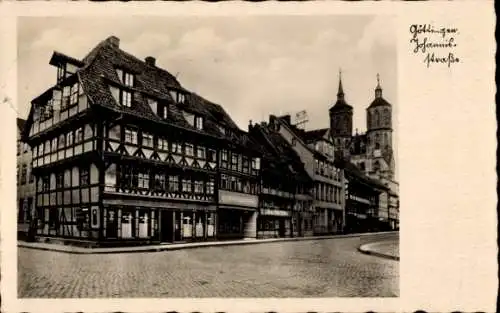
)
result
[(166, 229), (111, 223), (282, 228)]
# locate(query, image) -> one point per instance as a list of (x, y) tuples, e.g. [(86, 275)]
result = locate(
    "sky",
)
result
[(251, 65)]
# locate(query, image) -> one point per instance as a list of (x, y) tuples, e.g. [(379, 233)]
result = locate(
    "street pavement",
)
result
[(315, 268)]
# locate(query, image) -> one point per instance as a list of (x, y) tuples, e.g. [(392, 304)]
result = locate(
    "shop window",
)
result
[(143, 224), (187, 225), (82, 218), (211, 224), (127, 224)]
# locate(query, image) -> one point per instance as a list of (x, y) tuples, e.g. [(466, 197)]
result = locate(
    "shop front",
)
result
[(151, 221), (236, 215), (274, 223)]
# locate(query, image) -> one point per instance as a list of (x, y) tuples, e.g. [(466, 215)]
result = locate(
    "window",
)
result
[(176, 148), (126, 98), (78, 135), (54, 145), (73, 98), (160, 181), (186, 185), (45, 183), (234, 161), (210, 187), (224, 182), (162, 144), (84, 177), (25, 147), (69, 139), (211, 156), (130, 136), (60, 72), (189, 149), (198, 122), (59, 180), (126, 78), (47, 147), (82, 218), (256, 163), (200, 152), (147, 140), (198, 187), (362, 166), (224, 158), (173, 183), (143, 180), (61, 141), (24, 173), (162, 111), (31, 176)]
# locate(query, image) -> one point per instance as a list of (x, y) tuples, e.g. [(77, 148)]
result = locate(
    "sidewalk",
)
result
[(177, 246), (386, 249)]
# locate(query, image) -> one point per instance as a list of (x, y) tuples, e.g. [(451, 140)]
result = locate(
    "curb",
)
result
[(365, 250), (78, 250)]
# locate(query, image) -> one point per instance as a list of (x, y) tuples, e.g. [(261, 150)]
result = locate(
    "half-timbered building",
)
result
[(123, 153), (25, 182), (285, 185)]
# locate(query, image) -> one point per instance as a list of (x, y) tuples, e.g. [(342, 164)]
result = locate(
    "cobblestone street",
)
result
[(316, 268)]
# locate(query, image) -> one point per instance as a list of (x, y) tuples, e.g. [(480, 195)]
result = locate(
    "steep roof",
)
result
[(20, 124), (99, 72), (314, 135), (353, 171), (278, 153)]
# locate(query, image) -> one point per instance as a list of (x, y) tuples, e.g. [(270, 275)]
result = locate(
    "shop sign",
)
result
[(271, 212)]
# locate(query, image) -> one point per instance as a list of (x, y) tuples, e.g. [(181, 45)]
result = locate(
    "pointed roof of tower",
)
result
[(341, 104), (379, 100)]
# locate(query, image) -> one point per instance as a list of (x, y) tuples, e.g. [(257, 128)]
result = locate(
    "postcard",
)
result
[(286, 157)]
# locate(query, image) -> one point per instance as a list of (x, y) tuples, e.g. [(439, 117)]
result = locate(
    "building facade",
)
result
[(123, 153), (316, 150), (371, 152), (25, 182), (286, 187)]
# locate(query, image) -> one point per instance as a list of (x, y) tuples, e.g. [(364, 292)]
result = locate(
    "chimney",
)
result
[(150, 61), (114, 41)]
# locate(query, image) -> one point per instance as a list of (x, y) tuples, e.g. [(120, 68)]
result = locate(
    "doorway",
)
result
[(166, 226)]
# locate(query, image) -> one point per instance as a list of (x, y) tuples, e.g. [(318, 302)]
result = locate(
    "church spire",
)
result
[(340, 93), (378, 89)]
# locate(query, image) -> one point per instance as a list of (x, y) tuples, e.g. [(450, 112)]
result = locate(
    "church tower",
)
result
[(341, 123), (379, 135)]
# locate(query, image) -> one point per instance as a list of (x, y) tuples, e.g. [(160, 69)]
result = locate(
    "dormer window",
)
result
[(198, 122), (177, 96), (126, 78), (162, 111), (126, 98)]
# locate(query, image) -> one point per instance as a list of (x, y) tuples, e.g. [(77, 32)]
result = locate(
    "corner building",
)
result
[(122, 153)]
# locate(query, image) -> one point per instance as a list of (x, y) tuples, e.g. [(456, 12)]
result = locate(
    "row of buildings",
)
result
[(118, 152)]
